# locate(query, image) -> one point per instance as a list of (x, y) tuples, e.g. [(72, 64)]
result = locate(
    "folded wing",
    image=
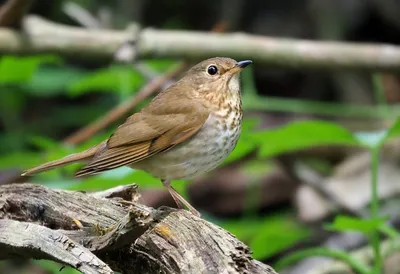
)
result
[(147, 133)]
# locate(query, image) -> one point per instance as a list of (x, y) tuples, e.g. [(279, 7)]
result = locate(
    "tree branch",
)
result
[(131, 238), (44, 36), (26, 240)]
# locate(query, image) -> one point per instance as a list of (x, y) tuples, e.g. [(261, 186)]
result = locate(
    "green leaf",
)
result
[(244, 228), (346, 223), (114, 78), (44, 143), (49, 81), (119, 176), (53, 267), (18, 159), (246, 143), (12, 103), (15, 69), (161, 65), (242, 149), (389, 231), (302, 135), (394, 130), (278, 234), (340, 255), (74, 115), (269, 235)]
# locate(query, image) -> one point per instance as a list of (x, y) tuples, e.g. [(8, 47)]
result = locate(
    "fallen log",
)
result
[(109, 231)]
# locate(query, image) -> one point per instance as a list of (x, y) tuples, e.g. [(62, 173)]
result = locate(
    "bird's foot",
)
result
[(179, 200)]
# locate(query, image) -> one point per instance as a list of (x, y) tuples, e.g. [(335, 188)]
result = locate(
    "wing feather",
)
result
[(153, 130), (113, 158)]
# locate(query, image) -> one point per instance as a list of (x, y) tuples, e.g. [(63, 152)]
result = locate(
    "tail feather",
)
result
[(73, 158)]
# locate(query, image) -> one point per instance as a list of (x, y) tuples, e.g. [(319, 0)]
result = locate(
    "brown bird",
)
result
[(186, 130)]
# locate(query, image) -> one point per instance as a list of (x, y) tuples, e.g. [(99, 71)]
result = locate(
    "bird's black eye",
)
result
[(212, 70)]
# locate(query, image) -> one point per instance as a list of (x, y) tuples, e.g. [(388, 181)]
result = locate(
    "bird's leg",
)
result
[(179, 200), (173, 193)]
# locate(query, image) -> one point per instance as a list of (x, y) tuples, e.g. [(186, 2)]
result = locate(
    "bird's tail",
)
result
[(73, 158)]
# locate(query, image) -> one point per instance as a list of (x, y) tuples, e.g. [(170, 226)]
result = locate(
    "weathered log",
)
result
[(97, 232)]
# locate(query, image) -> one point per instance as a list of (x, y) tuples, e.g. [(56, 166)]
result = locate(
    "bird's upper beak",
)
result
[(240, 65)]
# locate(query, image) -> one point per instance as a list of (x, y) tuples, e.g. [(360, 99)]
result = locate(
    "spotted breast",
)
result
[(202, 153)]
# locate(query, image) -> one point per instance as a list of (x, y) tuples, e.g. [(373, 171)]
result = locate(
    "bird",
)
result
[(187, 130)]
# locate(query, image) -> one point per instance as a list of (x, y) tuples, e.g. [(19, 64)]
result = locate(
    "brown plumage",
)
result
[(186, 130)]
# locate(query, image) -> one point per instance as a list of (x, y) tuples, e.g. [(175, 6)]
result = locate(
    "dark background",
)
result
[(260, 200)]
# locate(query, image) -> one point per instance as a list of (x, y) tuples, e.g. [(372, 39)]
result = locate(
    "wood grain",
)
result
[(38, 222)]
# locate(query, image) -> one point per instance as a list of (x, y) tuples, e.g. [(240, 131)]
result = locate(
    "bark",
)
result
[(97, 232)]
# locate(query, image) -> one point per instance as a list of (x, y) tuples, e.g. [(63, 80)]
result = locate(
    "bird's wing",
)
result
[(147, 133)]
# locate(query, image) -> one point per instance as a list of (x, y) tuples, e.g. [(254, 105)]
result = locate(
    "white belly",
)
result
[(203, 152)]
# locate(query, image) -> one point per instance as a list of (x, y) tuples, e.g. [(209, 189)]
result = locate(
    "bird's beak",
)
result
[(240, 65)]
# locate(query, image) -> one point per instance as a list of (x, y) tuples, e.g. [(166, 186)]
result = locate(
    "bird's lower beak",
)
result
[(240, 65)]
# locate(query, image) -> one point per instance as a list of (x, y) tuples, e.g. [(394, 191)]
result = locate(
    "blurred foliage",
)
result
[(302, 135), (43, 99), (264, 234), (53, 267), (43, 78), (17, 70), (372, 226), (346, 223), (33, 121)]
